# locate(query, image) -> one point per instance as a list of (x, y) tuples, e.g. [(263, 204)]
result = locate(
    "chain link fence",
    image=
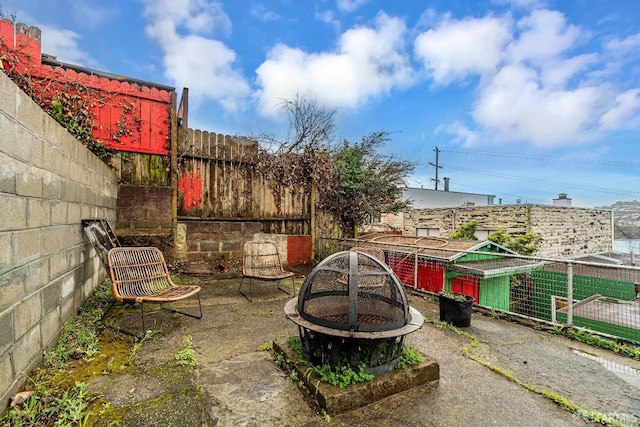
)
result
[(600, 296)]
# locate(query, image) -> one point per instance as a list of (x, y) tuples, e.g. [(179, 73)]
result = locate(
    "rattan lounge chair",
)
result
[(140, 276), (366, 281), (261, 261)]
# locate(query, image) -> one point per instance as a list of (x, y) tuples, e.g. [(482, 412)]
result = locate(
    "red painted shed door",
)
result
[(467, 285), (430, 276)]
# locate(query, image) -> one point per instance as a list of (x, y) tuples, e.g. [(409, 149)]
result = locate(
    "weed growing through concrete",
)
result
[(410, 356), (556, 398), (186, 356), (49, 402), (268, 346), (588, 337), (344, 375)]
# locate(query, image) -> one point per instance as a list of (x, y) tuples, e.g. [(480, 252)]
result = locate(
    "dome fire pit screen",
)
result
[(352, 309)]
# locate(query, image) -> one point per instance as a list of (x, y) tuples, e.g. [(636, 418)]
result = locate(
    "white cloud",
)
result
[(625, 110), (515, 107), (63, 44), (522, 4), (204, 65), (261, 12), (328, 17), (557, 74), (208, 75), (90, 14), (533, 89), (456, 49), (350, 5), (195, 16), (629, 44), (367, 62), (544, 35), (461, 133)]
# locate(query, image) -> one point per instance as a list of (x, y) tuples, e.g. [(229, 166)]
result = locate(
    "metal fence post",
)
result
[(415, 271), (569, 294)]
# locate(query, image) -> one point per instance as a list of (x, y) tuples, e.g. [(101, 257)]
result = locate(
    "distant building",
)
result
[(562, 200), (422, 198)]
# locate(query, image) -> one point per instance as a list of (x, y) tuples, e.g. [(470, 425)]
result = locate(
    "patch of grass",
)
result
[(339, 376), (54, 399), (410, 356), (50, 406), (79, 338), (342, 376), (588, 337), (345, 374), (268, 346), (186, 356)]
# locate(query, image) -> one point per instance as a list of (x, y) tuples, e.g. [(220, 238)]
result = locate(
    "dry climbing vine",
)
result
[(354, 182), (70, 103)]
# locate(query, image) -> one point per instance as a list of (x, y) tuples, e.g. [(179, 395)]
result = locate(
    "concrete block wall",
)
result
[(209, 241), (49, 182), (567, 231)]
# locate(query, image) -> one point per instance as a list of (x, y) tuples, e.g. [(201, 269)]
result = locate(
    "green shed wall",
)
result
[(494, 292)]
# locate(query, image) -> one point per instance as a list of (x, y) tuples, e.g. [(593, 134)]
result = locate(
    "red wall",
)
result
[(127, 116), (467, 285), (430, 274), (299, 250)]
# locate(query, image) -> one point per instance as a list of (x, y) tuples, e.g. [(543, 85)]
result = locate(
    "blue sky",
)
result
[(524, 99)]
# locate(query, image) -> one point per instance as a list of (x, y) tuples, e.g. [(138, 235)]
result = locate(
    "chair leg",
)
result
[(173, 310), (124, 331), (144, 328), (249, 297), (293, 285), (107, 310)]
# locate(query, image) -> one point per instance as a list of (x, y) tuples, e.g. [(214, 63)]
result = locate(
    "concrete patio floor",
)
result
[(236, 384)]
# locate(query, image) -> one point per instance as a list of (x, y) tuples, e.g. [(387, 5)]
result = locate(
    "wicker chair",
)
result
[(366, 281), (140, 276), (261, 261)]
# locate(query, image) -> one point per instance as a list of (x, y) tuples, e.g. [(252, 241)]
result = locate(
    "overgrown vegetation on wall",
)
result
[(68, 103), (524, 244), (353, 181)]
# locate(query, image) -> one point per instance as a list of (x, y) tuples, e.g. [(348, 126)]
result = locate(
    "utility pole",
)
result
[(437, 166)]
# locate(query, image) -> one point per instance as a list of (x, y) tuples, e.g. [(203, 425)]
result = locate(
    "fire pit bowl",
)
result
[(352, 309)]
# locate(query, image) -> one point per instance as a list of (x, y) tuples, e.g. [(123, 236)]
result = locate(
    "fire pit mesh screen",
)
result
[(353, 291), (352, 309)]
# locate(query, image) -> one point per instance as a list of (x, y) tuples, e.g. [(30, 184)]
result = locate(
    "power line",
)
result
[(614, 163), (550, 183), (516, 196)]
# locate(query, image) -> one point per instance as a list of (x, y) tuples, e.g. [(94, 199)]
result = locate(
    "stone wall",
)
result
[(49, 182), (567, 231)]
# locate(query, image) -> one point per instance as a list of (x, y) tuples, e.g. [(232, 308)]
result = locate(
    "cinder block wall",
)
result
[(567, 231), (208, 241), (49, 182)]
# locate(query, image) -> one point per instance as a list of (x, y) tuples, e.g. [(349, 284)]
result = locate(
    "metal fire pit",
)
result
[(352, 309)]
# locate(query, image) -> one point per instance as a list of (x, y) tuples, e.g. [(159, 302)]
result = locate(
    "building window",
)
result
[(421, 232), (483, 234)]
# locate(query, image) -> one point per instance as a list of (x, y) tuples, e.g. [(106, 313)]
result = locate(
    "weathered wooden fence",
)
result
[(217, 180)]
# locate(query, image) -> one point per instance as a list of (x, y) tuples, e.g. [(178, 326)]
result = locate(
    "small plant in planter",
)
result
[(455, 308)]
